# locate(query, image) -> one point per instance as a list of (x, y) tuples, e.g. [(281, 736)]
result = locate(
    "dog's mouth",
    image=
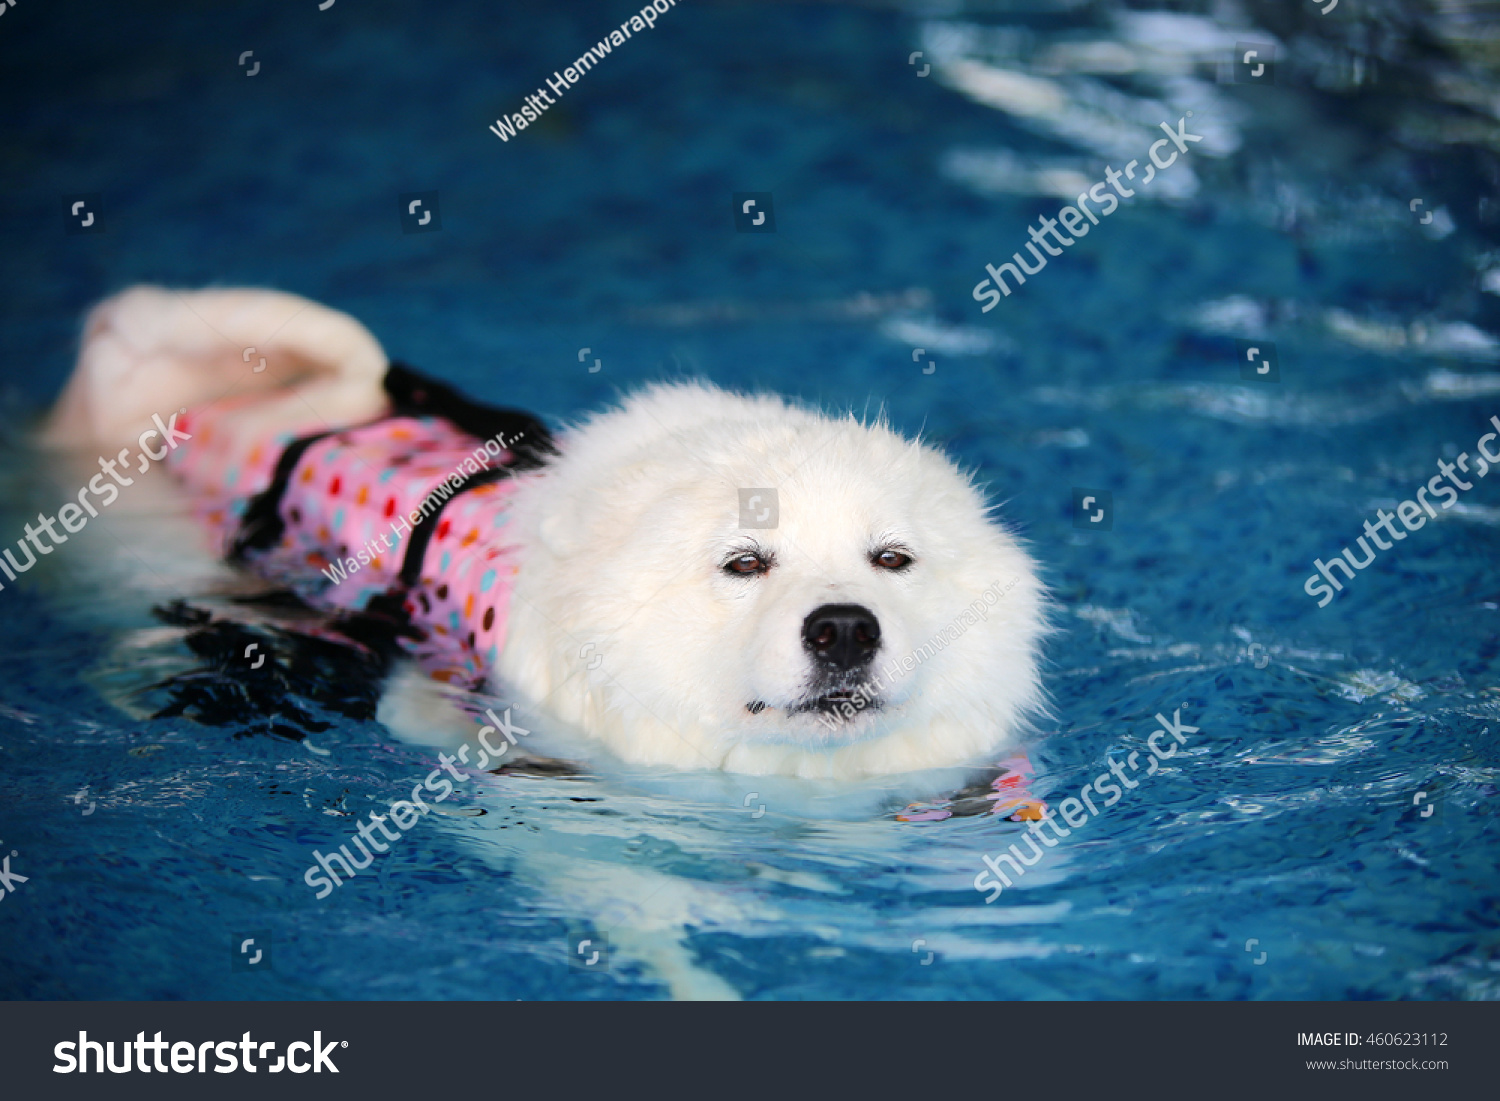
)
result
[(841, 703)]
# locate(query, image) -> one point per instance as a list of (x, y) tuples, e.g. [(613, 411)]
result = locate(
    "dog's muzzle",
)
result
[(841, 640)]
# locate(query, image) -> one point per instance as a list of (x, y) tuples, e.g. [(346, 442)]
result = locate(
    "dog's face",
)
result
[(716, 581)]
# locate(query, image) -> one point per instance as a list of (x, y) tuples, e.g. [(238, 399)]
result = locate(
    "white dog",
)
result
[(699, 579)]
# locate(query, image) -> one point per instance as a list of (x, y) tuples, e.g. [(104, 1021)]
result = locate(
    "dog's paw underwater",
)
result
[(697, 579)]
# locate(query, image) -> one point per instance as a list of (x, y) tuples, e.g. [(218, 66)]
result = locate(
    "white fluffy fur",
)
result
[(622, 540), (150, 350)]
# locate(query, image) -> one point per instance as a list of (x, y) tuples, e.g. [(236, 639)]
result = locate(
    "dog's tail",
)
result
[(152, 350)]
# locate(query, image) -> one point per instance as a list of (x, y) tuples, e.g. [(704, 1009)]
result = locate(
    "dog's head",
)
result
[(710, 580)]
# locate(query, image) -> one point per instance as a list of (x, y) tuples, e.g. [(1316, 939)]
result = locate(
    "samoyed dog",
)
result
[(699, 579)]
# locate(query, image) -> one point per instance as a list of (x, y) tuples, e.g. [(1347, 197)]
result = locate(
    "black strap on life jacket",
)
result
[(422, 531), (262, 526)]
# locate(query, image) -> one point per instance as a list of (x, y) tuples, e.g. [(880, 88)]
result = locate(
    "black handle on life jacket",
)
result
[(524, 436), (412, 395)]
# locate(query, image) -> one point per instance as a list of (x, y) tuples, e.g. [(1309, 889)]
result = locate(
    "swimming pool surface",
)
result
[(1330, 830)]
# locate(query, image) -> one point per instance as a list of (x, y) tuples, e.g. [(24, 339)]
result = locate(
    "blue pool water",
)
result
[(1294, 817)]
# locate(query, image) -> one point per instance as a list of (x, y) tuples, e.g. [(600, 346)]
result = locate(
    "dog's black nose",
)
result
[(844, 636)]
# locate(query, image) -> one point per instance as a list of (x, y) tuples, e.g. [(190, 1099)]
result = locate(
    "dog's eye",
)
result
[(746, 564), (890, 559)]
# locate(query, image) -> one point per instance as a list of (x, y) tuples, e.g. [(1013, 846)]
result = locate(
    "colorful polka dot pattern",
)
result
[(347, 511)]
